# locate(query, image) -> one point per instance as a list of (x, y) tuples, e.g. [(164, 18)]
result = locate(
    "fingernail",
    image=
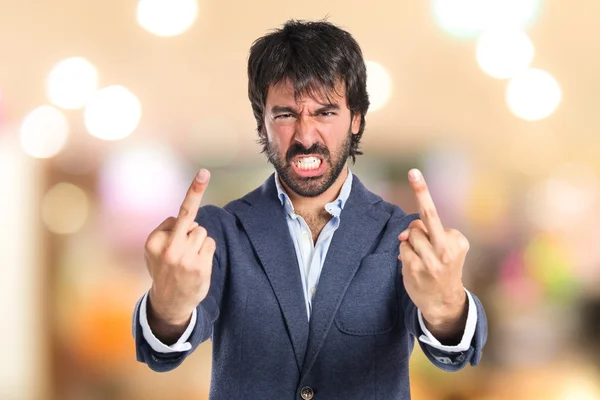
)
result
[(404, 232), (202, 176), (415, 175)]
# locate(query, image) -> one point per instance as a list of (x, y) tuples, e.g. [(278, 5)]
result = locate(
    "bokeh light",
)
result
[(533, 95), (71, 83), (503, 53), (470, 18), (167, 17), (112, 113), (140, 186), (44, 132), (379, 85), (65, 208)]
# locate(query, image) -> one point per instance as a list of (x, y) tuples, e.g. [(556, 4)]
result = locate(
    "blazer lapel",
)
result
[(360, 225), (266, 225)]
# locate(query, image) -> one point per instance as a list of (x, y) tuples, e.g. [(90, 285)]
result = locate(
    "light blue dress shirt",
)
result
[(311, 255)]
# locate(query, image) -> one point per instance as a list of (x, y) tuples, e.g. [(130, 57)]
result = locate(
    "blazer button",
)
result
[(307, 393)]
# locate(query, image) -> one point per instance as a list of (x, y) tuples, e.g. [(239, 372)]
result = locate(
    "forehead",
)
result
[(285, 93)]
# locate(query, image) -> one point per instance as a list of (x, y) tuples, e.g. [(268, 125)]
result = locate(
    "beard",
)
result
[(309, 186)]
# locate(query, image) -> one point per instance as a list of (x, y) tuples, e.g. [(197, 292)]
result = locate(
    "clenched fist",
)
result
[(179, 256)]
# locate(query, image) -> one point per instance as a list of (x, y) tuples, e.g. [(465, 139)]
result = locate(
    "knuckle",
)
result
[(445, 255), (460, 239), (200, 230), (464, 244), (170, 256), (406, 256), (210, 242), (410, 267), (429, 212), (184, 212), (419, 230), (150, 244)]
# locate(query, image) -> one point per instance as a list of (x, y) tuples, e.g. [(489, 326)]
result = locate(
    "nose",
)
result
[(306, 132)]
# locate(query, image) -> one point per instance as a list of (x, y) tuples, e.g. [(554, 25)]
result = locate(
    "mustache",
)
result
[(298, 149)]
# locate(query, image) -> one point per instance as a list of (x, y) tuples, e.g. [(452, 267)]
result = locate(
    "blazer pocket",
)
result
[(370, 305)]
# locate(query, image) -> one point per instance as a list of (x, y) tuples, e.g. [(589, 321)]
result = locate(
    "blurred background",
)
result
[(107, 108)]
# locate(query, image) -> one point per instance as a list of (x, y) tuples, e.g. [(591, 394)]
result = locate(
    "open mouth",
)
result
[(308, 166)]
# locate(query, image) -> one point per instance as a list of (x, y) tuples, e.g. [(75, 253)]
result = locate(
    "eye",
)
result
[(283, 116), (328, 114)]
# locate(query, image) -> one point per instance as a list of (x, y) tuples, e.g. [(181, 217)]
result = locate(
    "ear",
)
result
[(355, 125)]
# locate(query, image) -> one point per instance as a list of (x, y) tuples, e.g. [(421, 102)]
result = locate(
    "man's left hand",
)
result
[(432, 262)]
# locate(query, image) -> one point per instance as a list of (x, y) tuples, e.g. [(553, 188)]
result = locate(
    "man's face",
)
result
[(308, 140)]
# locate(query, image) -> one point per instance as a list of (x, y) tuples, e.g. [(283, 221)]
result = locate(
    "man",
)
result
[(310, 286)]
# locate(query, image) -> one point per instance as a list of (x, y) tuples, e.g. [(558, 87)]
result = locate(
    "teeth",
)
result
[(308, 163)]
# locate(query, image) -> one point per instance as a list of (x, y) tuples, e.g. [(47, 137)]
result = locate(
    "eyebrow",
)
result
[(282, 110), (287, 109)]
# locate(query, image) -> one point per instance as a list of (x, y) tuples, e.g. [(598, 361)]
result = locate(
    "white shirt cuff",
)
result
[(468, 334), (158, 346)]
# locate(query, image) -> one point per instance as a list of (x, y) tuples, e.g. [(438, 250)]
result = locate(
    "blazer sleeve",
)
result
[(447, 361), (207, 311)]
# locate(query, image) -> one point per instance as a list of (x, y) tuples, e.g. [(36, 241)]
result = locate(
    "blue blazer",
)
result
[(363, 324)]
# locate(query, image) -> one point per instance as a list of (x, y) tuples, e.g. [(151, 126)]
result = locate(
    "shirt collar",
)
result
[(334, 208)]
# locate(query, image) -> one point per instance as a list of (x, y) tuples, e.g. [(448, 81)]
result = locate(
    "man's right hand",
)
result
[(179, 256)]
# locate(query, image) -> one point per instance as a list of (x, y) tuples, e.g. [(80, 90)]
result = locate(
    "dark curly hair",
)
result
[(315, 56)]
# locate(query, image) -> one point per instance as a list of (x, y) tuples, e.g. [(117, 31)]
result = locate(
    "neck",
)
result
[(316, 204)]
